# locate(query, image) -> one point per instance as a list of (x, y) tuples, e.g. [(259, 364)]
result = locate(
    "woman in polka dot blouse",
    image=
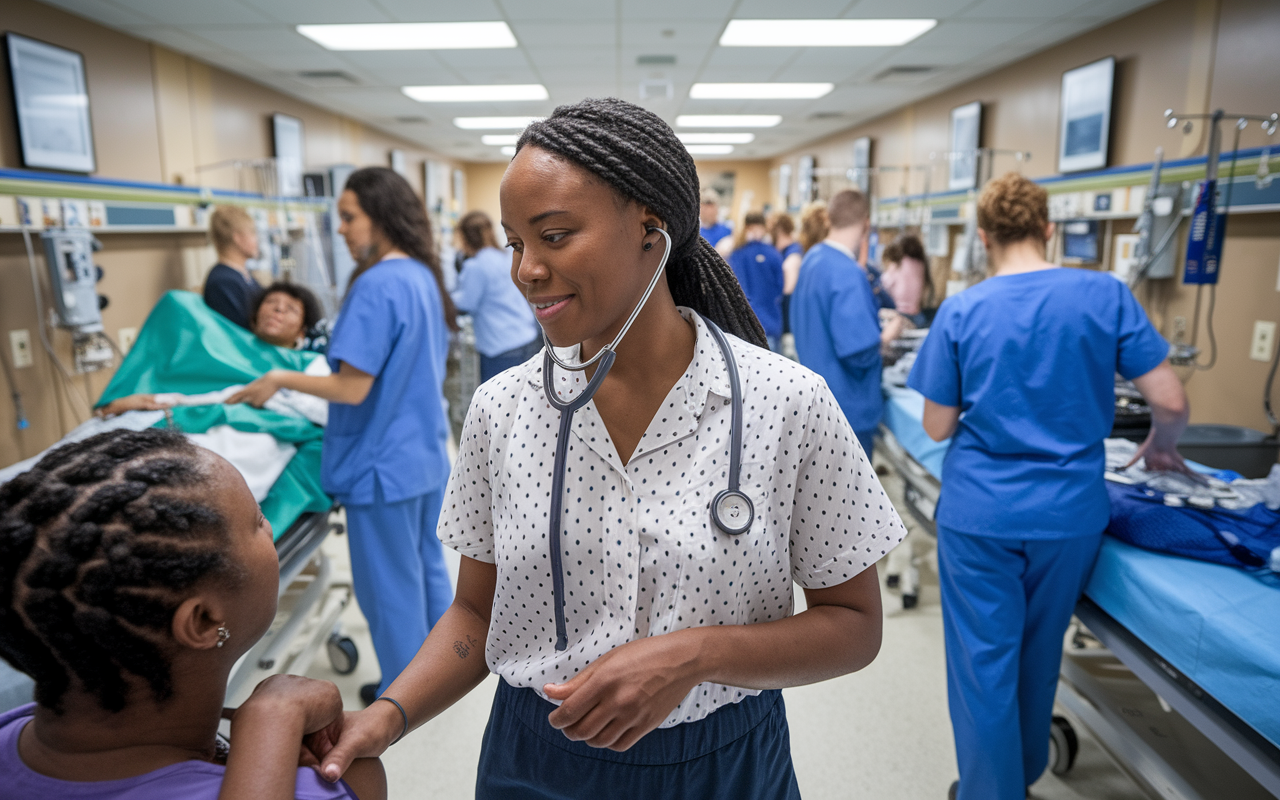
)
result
[(680, 636)]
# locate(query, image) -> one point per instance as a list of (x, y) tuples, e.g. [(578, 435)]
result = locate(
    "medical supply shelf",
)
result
[(1164, 755), (954, 207)]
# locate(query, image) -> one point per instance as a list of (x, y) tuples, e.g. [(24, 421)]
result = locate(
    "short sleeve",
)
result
[(936, 373), (855, 327), (466, 517), (842, 520), (367, 327), (1140, 347)]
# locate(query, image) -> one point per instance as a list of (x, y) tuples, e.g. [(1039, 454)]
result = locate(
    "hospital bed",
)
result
[(186, 348), (1172, 664)]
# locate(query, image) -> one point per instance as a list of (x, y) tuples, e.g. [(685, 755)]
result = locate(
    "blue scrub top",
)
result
[(792, 249), (1030, 359), (715, 233), (503, 319), (392, 327), (836, 325), (759, 270)]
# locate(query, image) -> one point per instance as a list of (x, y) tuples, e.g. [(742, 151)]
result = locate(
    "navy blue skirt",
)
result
[(739, 752)]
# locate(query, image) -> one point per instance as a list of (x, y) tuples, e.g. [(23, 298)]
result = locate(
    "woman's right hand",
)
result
[(361, 734), (134, 402)]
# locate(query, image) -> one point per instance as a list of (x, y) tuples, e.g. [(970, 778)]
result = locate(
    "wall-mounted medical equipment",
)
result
[(1080, 241), (73, 279), (1157, 226)]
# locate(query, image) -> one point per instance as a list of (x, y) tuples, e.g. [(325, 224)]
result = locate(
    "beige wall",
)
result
[(1192, 55), (750, 184), (157, 115), (483, 182)]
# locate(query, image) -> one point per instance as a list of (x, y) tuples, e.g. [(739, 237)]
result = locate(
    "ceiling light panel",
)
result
[(728, 120), (716, 138), (493, 123), (411, 36), (467, 93), (759, 91), (709, 149), (823, 32), (500, 138)]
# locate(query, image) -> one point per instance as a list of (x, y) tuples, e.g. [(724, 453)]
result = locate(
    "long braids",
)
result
[(98, 544), (637, 153)]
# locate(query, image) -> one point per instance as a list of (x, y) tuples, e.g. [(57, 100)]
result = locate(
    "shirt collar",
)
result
[(832, 243)]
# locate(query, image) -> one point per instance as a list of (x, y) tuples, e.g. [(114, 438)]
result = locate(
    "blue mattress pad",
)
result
[(904, 415)]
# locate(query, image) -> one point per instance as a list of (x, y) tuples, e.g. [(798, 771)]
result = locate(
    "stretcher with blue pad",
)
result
[(1173, 665)]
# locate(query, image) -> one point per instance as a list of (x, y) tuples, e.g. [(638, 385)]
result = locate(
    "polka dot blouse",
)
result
[(641, 554)]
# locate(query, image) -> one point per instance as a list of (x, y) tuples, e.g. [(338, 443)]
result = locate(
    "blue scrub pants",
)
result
[(492, 365), (399, 575), (1006, 604), (739, 752)]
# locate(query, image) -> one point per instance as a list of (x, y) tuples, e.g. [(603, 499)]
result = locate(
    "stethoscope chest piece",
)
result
[(732, 512)]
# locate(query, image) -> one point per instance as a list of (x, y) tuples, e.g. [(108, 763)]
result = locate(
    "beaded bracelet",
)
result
[(403, 716)]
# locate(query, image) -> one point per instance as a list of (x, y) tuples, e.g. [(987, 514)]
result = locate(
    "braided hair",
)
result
[(99, 543), (637, 154)]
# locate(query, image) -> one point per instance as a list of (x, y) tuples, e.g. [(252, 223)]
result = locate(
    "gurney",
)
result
[(184, 347), (1172, 664)]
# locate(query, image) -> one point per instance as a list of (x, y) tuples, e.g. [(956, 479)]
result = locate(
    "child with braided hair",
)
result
[(135, 569), (654, 669)]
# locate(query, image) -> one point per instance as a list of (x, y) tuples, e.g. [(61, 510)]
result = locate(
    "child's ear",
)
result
[(196, 623)]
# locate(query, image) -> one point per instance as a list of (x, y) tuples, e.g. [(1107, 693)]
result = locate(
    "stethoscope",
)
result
[(731, 510)]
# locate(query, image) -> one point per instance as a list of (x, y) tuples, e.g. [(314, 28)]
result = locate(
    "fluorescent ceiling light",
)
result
[(759, 91), (709, 149), (493, 123), (823, 32), (476, 94), (411, 36), (716, 138), (509, 150), (728, 120), (500, 138)]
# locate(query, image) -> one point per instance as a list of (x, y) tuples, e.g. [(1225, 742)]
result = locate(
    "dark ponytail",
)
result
[(636, 152), (402, 218)]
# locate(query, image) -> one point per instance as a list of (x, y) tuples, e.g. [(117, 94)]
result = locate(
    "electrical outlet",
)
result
[(20, 348), (1264, 338), (125, 339)]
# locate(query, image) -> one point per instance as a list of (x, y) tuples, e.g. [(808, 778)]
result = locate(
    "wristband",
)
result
[(403, 716)]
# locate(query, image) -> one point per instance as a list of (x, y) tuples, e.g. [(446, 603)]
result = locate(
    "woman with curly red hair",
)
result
[(1019, 372)]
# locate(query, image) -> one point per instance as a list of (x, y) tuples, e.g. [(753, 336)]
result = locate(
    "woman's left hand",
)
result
[(628, 691), (259, 392)]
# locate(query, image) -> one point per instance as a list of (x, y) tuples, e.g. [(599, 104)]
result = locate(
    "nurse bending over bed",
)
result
[(1019, 371)]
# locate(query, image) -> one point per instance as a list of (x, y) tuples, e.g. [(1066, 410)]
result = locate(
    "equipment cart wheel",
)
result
[(343, 655), (1063, 746)]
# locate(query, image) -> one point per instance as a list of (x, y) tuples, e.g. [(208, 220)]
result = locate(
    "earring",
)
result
[(223, 635), (648, 245)]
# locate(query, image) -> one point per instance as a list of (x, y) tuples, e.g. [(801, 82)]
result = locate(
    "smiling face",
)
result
[(280, 320), (578, 247)]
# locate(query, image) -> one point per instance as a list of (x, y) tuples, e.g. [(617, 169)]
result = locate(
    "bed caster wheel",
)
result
[(1063, 746), (343, 655), (892, 581), (910, 600)]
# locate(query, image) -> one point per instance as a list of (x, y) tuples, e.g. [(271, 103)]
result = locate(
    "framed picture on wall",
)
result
[(51, 100), (286, 133), (1085, 122), (784, 185), (966, 128), (806, 188), (861, 172)]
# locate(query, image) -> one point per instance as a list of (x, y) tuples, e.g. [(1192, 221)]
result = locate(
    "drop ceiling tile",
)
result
[(659, 11), (260, 39), (682, 33), (544, 34), (909, 9), (419, 11), (293, 63), (979, 34), (195, 12), (1022, 9), (755, 58), (837, 58), (304, 12), (175, 39), (467, 60), (391, 61), (565, 58), (104, 11), (792, 9), (574, 10)]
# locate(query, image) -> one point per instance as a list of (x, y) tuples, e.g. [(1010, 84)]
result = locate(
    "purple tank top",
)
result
[(189, 780)]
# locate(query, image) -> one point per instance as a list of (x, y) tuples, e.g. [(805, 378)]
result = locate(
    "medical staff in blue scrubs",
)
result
[(712, 229), (1019, 371), (385, 456), (782, 231), (758, 268), (836, 320), (506, 332)]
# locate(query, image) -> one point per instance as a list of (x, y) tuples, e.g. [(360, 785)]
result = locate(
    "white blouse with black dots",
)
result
[(641, 555)]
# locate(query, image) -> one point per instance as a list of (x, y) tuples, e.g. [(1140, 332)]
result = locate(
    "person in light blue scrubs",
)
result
[(758, 268), (385, 452), (506, 332), (835, 319), (1019, 371), (710, 227)]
